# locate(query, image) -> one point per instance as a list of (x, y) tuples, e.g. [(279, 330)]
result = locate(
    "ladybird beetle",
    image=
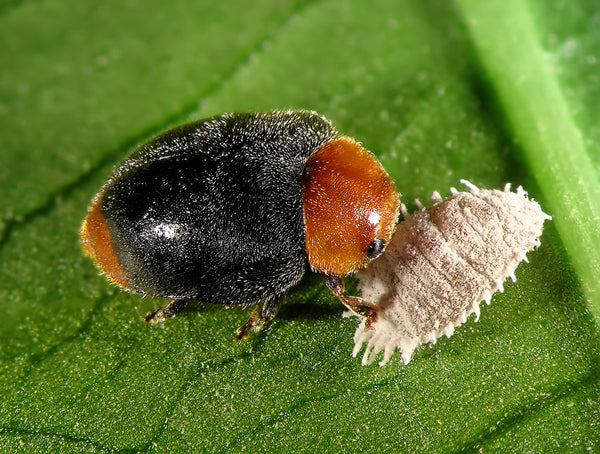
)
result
[(231, 209)]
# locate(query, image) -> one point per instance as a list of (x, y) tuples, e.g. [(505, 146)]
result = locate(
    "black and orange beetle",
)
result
[(231, 209)]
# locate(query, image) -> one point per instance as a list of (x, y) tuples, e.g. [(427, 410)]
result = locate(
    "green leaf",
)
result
[(533, 98), (492, 91)]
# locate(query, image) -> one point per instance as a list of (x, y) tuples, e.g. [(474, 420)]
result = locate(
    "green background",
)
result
[(494, 92)]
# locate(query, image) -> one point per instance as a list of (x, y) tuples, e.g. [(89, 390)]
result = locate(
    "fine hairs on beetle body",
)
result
[(232, 209)]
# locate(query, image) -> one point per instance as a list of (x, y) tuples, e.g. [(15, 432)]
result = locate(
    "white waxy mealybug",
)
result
[(441, 263)]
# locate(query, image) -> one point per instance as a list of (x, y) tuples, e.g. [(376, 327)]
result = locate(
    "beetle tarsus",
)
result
[(169, 310), (356, 304), (371, 319), (259, 317)]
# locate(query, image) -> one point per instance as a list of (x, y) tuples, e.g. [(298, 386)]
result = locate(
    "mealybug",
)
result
[(441, 263)]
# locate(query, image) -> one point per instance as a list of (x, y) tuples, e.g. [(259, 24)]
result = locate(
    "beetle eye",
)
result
[(375, 248)]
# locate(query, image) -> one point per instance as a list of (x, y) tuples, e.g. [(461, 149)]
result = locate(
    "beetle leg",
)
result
[(258, 317), (169, 310), (356, 304)]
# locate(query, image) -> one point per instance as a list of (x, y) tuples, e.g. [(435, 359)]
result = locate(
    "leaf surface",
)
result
[(435, 89)]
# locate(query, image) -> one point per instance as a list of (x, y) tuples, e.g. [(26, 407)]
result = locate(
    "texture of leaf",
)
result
[(427, 86)]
